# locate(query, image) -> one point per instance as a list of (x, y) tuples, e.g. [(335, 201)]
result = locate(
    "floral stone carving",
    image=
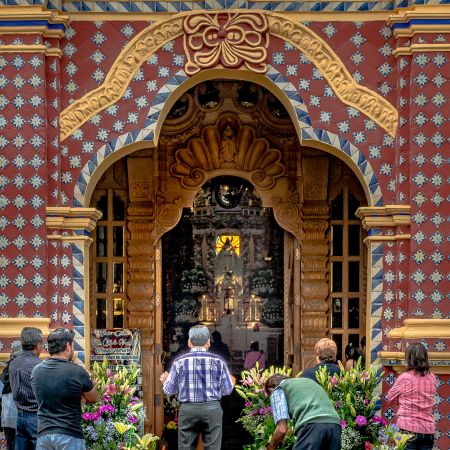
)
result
[(225, 145), (228, 39)]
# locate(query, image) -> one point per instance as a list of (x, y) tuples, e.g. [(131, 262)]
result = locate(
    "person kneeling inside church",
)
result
[(305, 402)]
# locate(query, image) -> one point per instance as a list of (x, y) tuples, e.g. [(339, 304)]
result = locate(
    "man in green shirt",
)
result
[(317, 424)]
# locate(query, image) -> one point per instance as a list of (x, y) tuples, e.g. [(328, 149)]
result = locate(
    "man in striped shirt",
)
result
[(200, 379), (20, 378)]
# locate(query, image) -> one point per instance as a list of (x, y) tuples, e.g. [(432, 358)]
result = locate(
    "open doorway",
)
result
[(223, 267)]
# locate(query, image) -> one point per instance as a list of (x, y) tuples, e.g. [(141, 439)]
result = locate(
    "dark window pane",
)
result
[(102, 273), (101, 313), (353, 205), (354, 340), (102, 205), (336, 313), (353, 276), (118, 208), (336, 270), (118, 313), (337, 240), (337, 207), (118, 277), (353, 240), (353, 312), (338, 339), (101, 241), (117, 241)]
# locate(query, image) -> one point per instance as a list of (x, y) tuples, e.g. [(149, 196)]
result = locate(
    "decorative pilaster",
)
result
[(314, 255), (141, 271)]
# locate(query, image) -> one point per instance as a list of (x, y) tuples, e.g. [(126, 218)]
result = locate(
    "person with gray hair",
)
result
[(200, 379), (20, 378)]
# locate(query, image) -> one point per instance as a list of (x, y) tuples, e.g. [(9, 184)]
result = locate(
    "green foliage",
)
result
[(117, 403), (256, 417), (352, 394)]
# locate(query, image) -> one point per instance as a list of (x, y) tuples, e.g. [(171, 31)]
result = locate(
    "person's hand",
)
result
[(164, 377)]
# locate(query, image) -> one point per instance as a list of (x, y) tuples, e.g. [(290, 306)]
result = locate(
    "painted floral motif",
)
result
[(231, 40)]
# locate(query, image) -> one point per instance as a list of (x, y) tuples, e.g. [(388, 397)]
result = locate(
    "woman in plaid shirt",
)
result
[(415, 392)]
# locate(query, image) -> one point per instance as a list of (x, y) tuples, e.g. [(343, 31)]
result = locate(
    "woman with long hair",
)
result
[(415, 392)]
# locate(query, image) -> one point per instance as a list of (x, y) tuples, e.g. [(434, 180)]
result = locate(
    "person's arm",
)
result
[(91, 396), (278, 434), (396, 390), (226, 382), (280, 412), (170, 381)]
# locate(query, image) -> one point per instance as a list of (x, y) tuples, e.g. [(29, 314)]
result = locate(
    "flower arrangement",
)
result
[(186, 310), (261, 282), (171, 410), (353, 396), (146, 442), (117, 403), (272, 312), (194, 281), (256, 417)]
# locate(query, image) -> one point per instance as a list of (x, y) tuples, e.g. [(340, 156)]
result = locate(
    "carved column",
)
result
[(314, 254), (141, 272)]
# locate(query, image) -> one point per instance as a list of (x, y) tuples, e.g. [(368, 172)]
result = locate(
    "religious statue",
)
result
[(228, 150)]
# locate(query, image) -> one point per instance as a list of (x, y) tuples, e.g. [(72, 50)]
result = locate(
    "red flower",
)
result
[(368, 446)]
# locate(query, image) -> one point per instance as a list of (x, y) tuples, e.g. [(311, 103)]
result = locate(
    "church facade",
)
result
[(117, 117)]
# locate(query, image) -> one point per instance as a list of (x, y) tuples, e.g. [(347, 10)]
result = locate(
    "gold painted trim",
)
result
[(120, 75), (333, 69), (52, 51), (72, 218), (401, 51), (397, 237), (384, 216), (156, 35), (23, 13), (299, 16), (399, 367), (420, 12), (422, 328), (11, 327)]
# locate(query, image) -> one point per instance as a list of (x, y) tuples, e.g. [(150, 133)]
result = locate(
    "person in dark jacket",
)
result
[(326, 352), (9, 409)]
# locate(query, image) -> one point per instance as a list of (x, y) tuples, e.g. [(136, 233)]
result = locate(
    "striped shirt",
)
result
[(198, 376), (20, 378), (416, 398)]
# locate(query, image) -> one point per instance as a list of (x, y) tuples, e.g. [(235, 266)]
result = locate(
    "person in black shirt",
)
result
[(60, 385), (326, 352), (20, 378), (9, 408), (219, 347)]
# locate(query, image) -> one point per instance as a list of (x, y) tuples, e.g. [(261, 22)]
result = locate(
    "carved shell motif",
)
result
[(227, 145)]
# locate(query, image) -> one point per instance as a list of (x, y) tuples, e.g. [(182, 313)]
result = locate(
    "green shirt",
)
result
[(308, 402)]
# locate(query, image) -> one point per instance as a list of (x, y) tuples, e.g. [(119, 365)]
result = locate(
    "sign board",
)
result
[(119, 347)]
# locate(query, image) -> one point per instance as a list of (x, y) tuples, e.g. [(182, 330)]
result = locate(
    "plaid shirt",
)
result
[(278, 402), (416, 398), (198, 376)]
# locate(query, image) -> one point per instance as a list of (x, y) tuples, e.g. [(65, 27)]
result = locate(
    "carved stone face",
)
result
[(228, 196)]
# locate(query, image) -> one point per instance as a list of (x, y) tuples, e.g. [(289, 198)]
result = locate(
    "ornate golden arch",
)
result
[(236, 39)]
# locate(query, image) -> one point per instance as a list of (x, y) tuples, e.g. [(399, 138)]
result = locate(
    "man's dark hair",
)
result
[(217, 337), (30, 337), (58, 339), (416, 356), (273, 382)]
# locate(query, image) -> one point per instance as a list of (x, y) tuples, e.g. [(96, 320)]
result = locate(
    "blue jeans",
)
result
[(59, 442), (26, 433)]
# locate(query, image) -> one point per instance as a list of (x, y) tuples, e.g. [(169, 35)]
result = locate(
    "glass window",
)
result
[(101, 313), (353, 312), (338, 243), (353, 240), (336, 313), (353, 276), (337, 207), (337, 276), (118, 208), (102, 275), (118, 241)]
